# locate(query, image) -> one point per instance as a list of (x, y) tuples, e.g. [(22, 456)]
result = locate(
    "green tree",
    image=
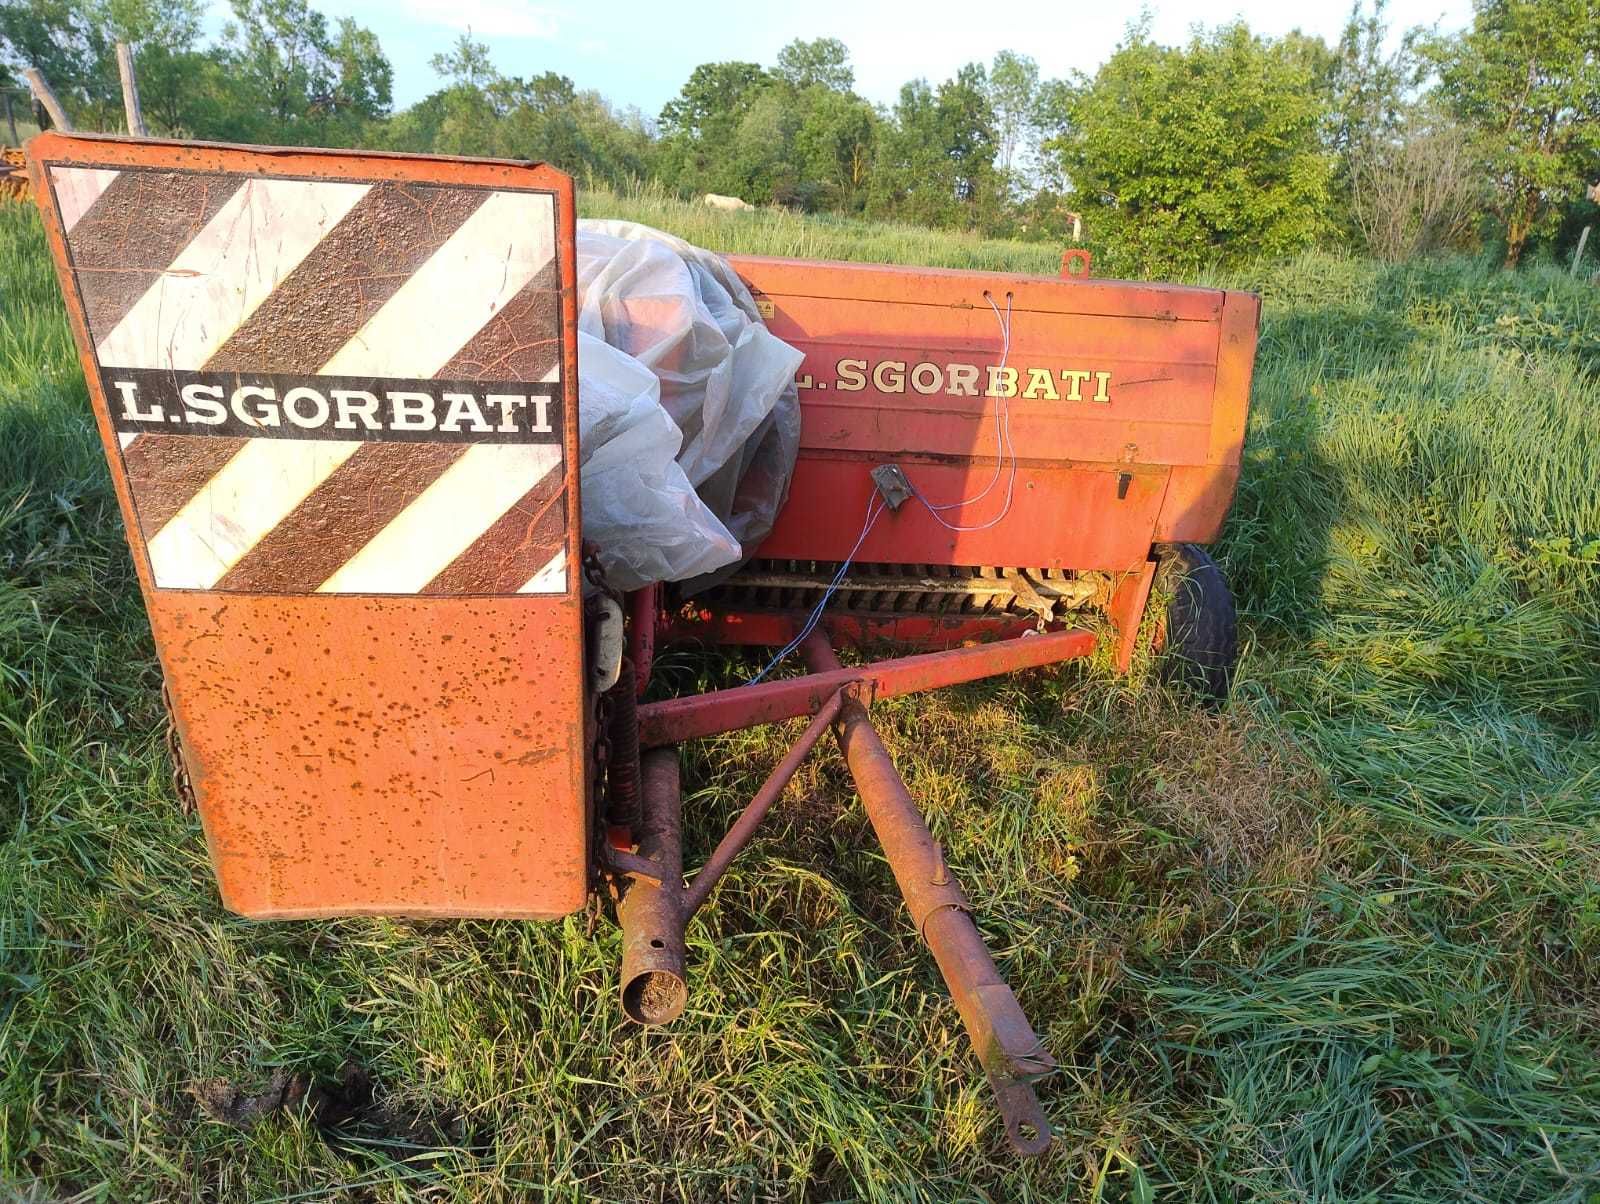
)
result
[(699, 126), (936, 160), (466, 63), (57, 37), (1367, 85), (835, 148), (1014, 97), (1526, 77), (293, 80), (824, 62), (481, 112), (1178, 155), (73, 43)]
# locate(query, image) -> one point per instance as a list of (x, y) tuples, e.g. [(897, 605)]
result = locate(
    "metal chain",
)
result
[(594, 572), (181, 786)]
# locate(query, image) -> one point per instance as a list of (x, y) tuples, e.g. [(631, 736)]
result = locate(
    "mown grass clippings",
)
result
[(1336, 942)]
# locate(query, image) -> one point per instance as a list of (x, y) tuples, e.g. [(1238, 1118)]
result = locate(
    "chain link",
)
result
[(594, 573), (181, 786)]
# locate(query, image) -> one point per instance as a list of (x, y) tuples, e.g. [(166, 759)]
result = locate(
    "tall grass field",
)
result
[(1337, 942)]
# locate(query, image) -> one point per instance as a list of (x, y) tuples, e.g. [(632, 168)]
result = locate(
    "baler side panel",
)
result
[(1200, 496), (1113, 397)]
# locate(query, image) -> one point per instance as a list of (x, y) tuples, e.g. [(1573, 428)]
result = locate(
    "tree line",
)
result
[(1230, 146)]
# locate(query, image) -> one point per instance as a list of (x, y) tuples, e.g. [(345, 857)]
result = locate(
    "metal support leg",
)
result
[(1127, 610), (1011, 1053), (750, 819)]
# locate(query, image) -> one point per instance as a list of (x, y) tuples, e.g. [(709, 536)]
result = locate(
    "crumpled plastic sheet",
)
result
[(689, 420)]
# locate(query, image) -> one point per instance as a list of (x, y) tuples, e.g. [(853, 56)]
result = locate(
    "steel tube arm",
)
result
[(678, 719), (750, 819), (1011, 1053)]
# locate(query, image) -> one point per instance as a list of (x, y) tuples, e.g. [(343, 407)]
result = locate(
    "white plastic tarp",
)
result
[(689, 421)]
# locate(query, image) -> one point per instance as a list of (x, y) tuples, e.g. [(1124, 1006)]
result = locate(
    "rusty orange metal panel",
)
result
[(831, 279), (1110, 391), (1060, 517), (338, 395)]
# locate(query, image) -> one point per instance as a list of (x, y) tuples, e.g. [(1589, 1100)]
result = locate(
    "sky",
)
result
[(639, 53)]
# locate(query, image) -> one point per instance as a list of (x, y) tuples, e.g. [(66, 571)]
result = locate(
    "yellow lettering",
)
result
[(1040, 385), (1075, 378), (961, 380), (890, 376), (1002, 382), (927, 378)]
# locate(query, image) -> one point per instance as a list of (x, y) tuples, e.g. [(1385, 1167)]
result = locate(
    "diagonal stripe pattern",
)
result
[(332, 278)]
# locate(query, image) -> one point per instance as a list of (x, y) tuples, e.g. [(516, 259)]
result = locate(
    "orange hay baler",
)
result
[(338, 395)]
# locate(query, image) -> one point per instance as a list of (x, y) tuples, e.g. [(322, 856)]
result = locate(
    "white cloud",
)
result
[(486, 18)]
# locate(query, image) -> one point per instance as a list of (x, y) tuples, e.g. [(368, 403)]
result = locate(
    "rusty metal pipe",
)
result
[(1011, 1053), (654, 983), (743, 828)]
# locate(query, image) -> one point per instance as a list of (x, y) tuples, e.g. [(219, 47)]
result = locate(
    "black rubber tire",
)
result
[(1200, 640)]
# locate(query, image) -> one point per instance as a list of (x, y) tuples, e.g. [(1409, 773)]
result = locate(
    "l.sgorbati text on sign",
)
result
[(954, 379), (274, 406)]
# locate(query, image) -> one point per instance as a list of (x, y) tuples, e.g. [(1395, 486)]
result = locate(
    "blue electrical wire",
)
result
[(875, 508)]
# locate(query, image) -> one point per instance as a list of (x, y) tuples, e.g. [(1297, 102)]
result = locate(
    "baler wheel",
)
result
[(1199, 642)]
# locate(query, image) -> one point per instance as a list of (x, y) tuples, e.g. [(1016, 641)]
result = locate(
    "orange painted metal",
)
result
[(675, 720), (407, 754), (1127, 418), (1126, 610), (1076, 263)]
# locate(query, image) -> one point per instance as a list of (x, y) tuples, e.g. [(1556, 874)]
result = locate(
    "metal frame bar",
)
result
[(678, 719), (727, 626), (743, 828)]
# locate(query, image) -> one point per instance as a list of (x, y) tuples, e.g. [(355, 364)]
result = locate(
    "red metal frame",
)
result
[(349, 752), (678, 719), (1126, 409)]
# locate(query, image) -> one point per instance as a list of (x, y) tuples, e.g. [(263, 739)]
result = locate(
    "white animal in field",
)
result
[(725, 202)]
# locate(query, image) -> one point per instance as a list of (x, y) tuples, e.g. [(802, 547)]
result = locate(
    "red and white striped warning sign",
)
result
[(326, 385)]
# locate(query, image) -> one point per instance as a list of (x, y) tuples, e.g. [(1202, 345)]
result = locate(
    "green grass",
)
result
[(1338, 942), (776, 231)]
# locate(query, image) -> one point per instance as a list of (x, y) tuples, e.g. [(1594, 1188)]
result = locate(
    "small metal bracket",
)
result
[(892, 485), (606, 634), (624, 863)]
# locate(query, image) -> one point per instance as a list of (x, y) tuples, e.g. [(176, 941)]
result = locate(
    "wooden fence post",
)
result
[(130, 91), (41, 90)]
